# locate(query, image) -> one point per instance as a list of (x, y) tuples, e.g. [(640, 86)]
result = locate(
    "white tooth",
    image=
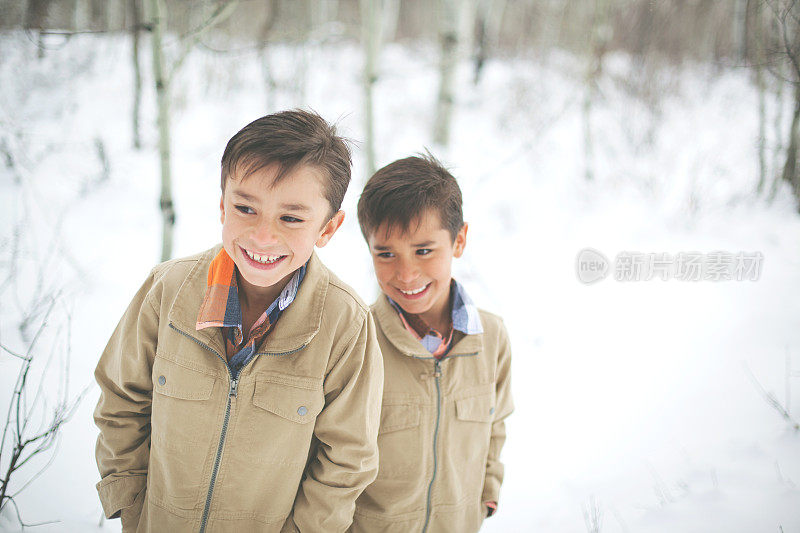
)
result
[(414, 291), (264, 259)]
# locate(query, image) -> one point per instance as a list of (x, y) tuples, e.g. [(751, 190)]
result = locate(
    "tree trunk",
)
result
[(598, 41), (136, 17), (448, 41), (778, 127), (266, 63), (739, 30), (760, 59), (371, 37), (789, 174), (163, 103)]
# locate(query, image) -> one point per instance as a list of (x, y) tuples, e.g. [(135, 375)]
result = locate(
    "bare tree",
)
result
[(270, 84), (163, 75), (371, 37), (787, 14), (599, 37), (31, 426), (488, 21), (448, 46), (135, 9)]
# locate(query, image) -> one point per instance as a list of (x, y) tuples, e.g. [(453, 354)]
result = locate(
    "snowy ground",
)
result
[(632, 398)]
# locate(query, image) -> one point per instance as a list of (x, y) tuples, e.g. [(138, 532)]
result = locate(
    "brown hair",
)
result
[(402, 191), (290, 139)]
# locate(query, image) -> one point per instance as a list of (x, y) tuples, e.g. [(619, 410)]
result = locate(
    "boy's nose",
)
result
[(407, 273), (263, 233)]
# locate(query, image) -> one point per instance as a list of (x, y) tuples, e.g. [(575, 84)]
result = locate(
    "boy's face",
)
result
[(413, 268), (270, 229)]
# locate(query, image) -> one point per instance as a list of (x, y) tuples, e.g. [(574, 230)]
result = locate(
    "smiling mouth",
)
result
[(262, 259), (414, 292)]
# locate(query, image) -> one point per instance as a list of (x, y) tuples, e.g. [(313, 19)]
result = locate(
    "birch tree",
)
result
[(755, 14), (163, 75), (136, 31), (448, 59), (371, 37)]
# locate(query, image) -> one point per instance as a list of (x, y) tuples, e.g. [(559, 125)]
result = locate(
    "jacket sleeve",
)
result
[(503, 407), (123, 410), (346, 458)]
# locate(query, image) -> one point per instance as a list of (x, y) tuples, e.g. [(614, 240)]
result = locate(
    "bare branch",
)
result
[(771, 400), (19, 517), (222, 12), (15, 354)]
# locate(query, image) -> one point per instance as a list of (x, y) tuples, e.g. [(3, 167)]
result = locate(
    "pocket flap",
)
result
[(397, 417), (297, 399), (476, 408), (177, 381)]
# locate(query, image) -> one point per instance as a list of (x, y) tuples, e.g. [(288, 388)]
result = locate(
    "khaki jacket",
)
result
[(441, 430), (287, 446)]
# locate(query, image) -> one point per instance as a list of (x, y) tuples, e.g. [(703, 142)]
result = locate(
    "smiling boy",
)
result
[(447, 363), (241, 389)]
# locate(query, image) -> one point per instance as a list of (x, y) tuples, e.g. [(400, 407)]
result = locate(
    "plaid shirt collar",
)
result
[(464, 316), (221, 308)]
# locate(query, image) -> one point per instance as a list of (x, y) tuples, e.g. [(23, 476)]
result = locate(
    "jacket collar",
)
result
[(298, 324), (391, 325)]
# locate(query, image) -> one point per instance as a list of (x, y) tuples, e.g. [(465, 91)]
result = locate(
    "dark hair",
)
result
[(290, 139), (402, 191)]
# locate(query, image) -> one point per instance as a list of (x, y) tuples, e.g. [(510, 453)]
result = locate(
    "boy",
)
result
[(241, 389), (447, 364)]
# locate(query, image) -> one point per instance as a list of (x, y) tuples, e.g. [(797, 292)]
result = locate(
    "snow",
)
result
[(632, 397)]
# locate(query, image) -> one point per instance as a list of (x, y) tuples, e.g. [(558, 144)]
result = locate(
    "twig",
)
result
[(771, 400), (223, 10), (15, 354), (19, 516)]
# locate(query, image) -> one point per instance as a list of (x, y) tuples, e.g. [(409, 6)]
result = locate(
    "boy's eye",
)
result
[(289, 218), (385, 255), (424, 251), (244, 209)]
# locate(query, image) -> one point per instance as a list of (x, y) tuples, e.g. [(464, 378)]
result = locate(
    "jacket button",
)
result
[(491, 410), (162, 380), (302, 410)]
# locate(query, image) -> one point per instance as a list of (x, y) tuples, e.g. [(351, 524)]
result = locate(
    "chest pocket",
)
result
[(294, 398), (176, 381), (476, 408)]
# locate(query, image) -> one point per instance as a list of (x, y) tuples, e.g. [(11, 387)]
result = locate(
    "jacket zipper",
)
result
[(218, 459), (234, 383), (437, 374)]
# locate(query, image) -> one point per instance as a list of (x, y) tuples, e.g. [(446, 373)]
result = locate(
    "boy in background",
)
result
[(447, 364), (241, 389)]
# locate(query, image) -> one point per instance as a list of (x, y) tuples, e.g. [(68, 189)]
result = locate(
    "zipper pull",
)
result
[(437, 370), (234, 384)]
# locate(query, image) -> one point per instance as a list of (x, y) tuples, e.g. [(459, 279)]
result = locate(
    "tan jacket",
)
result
[(287, 446), (441, 430)]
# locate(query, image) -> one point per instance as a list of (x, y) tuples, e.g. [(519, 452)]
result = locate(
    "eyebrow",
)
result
[(244, 196), (417, 245), (296, 207), (289, 207)]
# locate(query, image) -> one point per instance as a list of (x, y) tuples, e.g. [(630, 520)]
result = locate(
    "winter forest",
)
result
[(630, 180)]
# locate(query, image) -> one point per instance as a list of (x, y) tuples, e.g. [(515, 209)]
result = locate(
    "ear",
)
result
[(330, 228), (461, 241), (222, 208)]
